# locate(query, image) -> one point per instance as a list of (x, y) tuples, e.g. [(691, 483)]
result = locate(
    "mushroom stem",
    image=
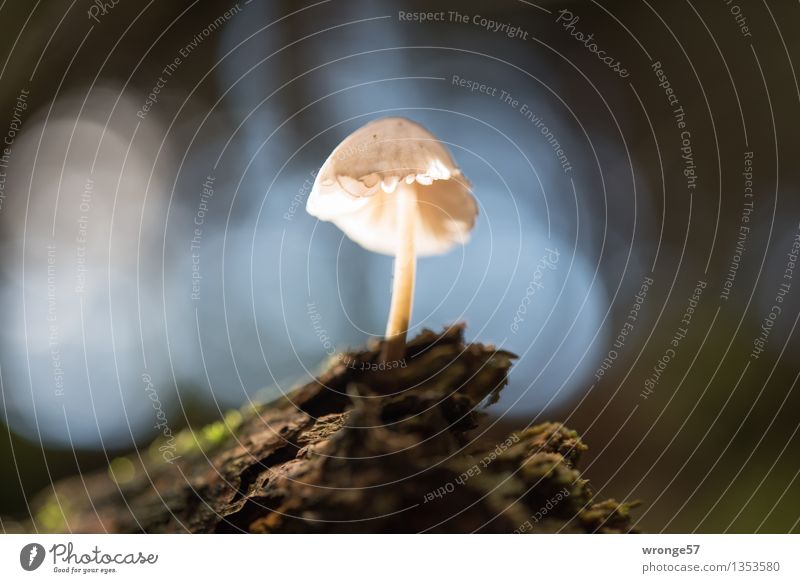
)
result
[(404, 270)]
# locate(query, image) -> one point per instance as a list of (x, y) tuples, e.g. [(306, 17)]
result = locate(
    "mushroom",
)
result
[(394, 189)]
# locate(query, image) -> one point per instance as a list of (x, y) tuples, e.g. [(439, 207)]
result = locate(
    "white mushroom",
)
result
[(393, 188)]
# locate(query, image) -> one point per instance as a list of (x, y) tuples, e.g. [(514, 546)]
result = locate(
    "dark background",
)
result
[(259, 103)]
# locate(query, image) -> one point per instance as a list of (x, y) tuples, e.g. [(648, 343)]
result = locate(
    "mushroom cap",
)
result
[(355, 188)]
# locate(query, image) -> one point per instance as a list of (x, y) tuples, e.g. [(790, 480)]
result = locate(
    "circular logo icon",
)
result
[(31, 556)]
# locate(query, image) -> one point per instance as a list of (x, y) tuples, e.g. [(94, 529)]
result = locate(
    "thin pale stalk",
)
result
[(405, 264)]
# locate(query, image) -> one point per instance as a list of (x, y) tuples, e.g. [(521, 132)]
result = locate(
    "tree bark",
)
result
[(357, 450)]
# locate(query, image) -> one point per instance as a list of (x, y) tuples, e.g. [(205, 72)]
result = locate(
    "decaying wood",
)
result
[(357, 450)]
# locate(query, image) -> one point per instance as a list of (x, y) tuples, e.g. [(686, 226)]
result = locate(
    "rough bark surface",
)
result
[(357, 450)]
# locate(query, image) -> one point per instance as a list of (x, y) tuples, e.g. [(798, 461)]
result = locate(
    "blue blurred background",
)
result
[(165, 238)]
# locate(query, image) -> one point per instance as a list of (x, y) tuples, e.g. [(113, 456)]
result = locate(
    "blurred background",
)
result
[(635, 167)]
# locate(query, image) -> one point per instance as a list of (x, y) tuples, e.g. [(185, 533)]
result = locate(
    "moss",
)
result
[(608, 516), (214, 433), (233, 419), (51, 516), (355, 451), (186, 442), (122, 470)]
